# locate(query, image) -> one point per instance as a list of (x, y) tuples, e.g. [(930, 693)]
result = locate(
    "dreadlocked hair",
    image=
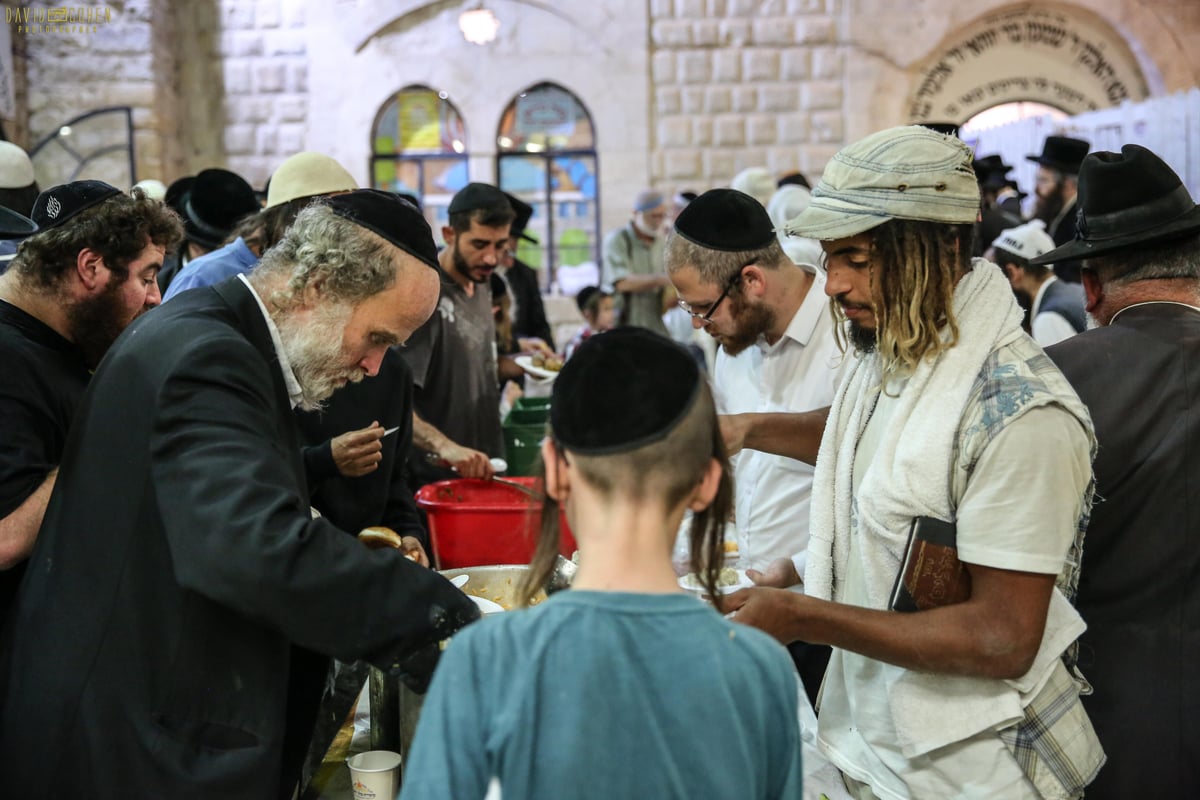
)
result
[(916, 265)]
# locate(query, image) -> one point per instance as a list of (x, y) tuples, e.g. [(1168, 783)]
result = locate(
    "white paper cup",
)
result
[(375, 775)]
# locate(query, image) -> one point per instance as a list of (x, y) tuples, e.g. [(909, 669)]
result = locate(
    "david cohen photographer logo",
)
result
[(67, 19)]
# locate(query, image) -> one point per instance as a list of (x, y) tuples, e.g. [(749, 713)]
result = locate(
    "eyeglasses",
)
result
[(705, 317)]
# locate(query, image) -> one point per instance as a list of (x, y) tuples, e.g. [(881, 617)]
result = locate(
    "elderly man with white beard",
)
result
[(172, 636)]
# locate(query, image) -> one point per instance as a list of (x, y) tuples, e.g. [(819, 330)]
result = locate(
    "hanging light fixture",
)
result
[(478, 25)]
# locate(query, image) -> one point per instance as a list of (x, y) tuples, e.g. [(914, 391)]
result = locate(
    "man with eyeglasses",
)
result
[(778, 353)]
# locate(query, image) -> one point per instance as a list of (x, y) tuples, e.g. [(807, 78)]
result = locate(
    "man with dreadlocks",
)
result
[(948, 408)]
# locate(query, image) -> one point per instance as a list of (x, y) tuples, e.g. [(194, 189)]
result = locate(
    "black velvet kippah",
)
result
[(476, 195), (727, 220), (394, 219), (58, 204), (621, 390)]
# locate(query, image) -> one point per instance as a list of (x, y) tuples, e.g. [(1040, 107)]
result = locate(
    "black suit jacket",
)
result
[(166, 638), (381, 497), (1139, 590), (531, 311)]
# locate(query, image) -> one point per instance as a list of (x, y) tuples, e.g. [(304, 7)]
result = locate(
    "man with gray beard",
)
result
[(1139, 238), (172, 636)]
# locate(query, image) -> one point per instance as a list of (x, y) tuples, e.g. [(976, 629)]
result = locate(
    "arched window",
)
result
[(419, 147), (546, 155)]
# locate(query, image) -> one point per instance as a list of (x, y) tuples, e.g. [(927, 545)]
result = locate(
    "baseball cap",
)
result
[(1027, 241)]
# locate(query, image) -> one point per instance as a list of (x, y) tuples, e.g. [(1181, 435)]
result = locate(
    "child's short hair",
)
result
[(589, 299), (634, 416)]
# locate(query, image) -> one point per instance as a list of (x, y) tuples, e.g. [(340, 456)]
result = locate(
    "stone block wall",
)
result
[(76, 68), (263, 52), (743, 83)]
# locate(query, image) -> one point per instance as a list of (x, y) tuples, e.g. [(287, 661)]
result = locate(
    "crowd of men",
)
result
[(170, 602)]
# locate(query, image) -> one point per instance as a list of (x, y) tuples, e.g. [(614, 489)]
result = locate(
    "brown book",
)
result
[(930, 574)]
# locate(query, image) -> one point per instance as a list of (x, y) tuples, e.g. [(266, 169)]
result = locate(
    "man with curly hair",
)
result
[(947, 408), (172, 636), (74, 286)]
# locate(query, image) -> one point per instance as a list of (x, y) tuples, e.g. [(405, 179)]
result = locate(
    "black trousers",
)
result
[(811, 661)]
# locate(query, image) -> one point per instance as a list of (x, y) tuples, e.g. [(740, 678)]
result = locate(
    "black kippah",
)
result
[(58, 204), (726, 219), (393, 218), (621, 390), (477, 195)]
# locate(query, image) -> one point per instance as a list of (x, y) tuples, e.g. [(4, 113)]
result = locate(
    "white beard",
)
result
[(638, 227), (314, 351)]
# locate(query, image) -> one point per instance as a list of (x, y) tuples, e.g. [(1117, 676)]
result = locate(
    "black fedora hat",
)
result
[(1062, 153), (991, 172), (524, 213), (213, 204), (989, 164), (1126, 199)]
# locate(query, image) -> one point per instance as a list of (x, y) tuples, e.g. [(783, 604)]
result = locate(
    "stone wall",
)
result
[(684, 93), (264, 55), (84, 67), (743, 83)]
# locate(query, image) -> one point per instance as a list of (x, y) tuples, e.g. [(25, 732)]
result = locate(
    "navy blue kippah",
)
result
[(726, 219), (621, 390), (58, 204), (390, 216)]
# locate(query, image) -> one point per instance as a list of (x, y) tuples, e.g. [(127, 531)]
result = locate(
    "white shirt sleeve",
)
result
[(1022, 504), (1050, 327)]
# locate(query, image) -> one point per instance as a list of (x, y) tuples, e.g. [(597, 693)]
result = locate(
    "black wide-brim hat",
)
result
[(1126, 199), (524, 213), (213, 205), (1062, 153), (991, 171)]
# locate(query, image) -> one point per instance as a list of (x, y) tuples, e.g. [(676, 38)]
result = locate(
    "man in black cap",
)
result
[(778, 353), (1056, 188), (453, 356), (76, 284), (211, 204), (172, 635), (991, 172), (1139, 239)]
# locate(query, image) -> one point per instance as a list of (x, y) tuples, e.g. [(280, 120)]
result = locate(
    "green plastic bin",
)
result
[(533, 402), (527, 417), (522, 447)]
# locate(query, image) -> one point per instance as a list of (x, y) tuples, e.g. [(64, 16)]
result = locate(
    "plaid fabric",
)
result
[(1014, 379), (1055, 744)]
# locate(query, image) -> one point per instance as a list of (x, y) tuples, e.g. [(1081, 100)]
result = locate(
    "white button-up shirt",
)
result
[(798, 373)]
